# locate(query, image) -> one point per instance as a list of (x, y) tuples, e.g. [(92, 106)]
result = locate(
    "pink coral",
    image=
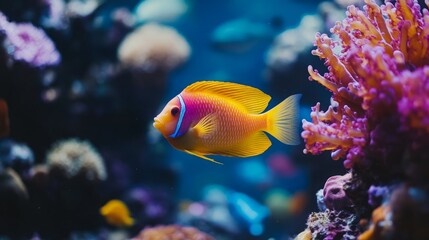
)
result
[(378, 78)]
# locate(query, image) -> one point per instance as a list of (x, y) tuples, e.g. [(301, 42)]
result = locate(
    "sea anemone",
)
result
[(153, 47), (23, 42), (379, 82), (172, 232), (71, 158)]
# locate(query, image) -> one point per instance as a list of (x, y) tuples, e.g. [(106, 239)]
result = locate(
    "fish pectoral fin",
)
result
[(206, 126), (200, 155)]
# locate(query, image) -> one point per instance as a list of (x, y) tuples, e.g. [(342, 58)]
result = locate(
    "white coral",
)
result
[(154, 47), (73, 157)]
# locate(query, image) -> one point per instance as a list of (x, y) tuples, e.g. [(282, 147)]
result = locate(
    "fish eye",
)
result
[(174, 111)]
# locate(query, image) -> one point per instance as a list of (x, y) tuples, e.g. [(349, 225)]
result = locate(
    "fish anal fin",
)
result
[(205, 126), (252, 99), (252, 146), (200, 155)]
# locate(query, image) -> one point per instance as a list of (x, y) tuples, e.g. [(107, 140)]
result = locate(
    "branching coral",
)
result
[(379, 82), (378, 121)]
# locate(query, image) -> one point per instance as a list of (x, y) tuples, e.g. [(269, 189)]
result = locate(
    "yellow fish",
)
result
[(223, 118), (117, 214)]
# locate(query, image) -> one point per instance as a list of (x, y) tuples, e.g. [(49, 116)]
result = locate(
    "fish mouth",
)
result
[(156, 123)]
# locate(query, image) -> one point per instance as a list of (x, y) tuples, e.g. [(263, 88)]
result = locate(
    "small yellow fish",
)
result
[(223, 118), (117, 214)]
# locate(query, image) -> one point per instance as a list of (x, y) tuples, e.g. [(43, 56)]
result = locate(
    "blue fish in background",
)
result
[(233, 211), (241, 34), (248, 211)]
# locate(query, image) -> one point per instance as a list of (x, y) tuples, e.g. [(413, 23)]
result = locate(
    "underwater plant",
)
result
[(378, 73)]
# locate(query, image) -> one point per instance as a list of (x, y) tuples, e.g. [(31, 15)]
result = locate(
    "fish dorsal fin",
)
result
[(206, 126), (252, 99)]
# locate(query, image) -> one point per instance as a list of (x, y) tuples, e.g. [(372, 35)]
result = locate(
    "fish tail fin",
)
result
[(282, 120)]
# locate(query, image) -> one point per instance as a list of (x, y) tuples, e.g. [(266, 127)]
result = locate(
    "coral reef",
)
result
[(26, 43), (330, 225), (71, 158), (163, 49), (172, 232), (377, 122)]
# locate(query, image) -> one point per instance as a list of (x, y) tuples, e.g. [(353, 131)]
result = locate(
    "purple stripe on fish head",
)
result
[(193, 113)]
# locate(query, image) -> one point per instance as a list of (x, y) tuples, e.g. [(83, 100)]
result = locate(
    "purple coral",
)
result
[(379, 83), (26, 43), (334, 196), (378, 121), (376, 195)]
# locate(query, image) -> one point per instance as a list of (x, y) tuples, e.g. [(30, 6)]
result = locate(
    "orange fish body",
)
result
[(221, 118)]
